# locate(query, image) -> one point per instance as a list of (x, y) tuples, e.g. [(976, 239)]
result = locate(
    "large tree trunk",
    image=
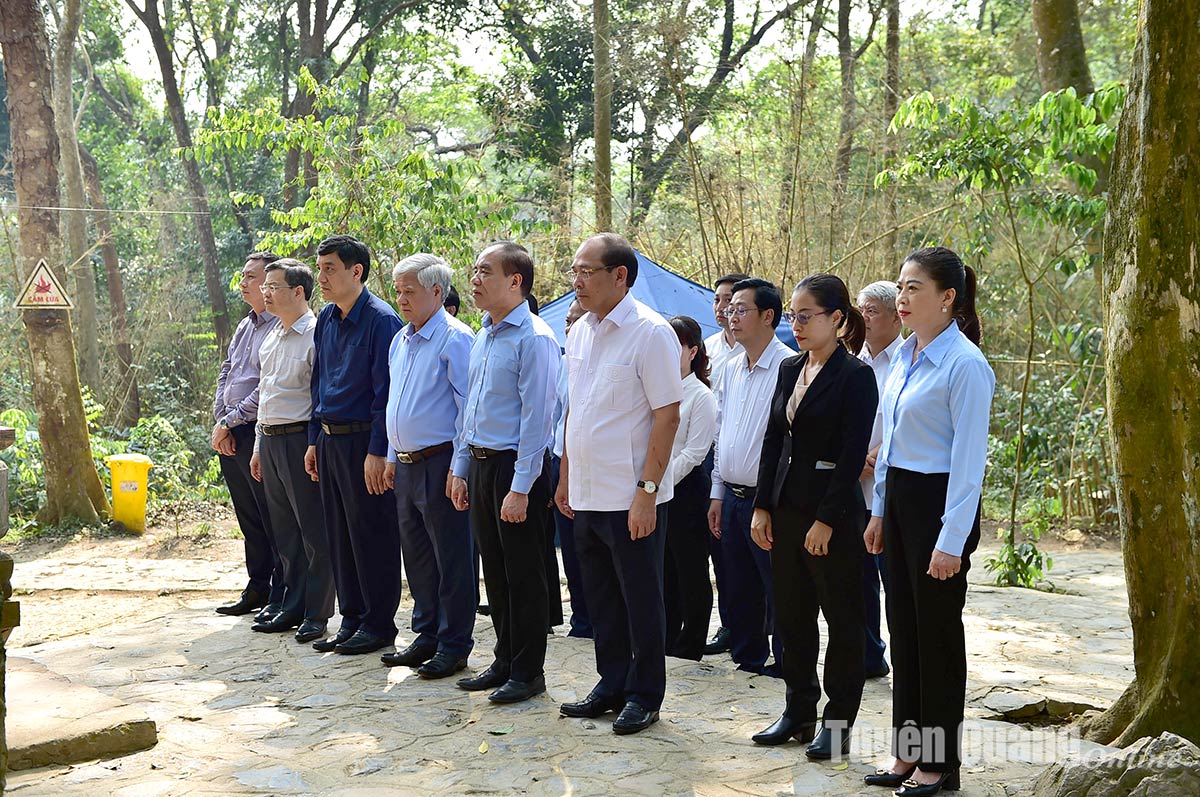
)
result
[(602, 83), (1152, 357), (87, 338), (128, 403), (1061, 57), (213, 281), (73, 489)]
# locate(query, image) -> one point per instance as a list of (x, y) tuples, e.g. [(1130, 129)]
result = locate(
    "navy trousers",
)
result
[(874, 574), (364, 541), (751, 603), (714, 551), (263, 565), (688, 591), (438, 554), (294, 501), (581, 621), (623, 581)]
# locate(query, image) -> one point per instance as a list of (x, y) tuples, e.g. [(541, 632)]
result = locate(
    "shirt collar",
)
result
[(770, 356), (258, 319), (301, 325), (518, 316), (889, 351), (357, 309), (937, 349), (435, 322), (620, 313)]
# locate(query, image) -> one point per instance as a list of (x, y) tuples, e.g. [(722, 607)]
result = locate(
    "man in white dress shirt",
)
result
[(625, 389), (877, 303), (744, 403), (720, 347)]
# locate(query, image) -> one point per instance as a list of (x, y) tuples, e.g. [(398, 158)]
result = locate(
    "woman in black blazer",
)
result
[(809, 512)]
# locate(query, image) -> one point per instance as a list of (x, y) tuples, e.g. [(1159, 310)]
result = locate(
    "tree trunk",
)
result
[(846, 125), (602, 82), (1061, 57), (73, 489), (891, 101), (202, 217), (1152, 337), (87, 338), (128, 408)]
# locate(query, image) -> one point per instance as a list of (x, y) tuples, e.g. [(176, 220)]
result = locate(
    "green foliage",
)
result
[(1021, 565)]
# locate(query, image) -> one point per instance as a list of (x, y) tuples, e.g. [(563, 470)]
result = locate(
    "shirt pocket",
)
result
[(620, 385)]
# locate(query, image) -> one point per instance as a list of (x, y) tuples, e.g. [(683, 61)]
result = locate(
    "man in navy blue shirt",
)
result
[(348, 447)]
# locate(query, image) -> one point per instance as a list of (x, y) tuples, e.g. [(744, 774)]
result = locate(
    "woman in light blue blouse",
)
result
[(925, 514)]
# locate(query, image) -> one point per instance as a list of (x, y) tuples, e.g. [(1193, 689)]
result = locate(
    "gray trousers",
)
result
[(294, 503)]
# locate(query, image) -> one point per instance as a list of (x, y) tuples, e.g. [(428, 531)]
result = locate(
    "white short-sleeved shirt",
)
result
[(621, 369), (880, 364), (719, 353)]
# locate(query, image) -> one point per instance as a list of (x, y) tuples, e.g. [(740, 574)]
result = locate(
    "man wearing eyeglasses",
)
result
[(235, 410), (293, 499), (743, 406), (625, 392)]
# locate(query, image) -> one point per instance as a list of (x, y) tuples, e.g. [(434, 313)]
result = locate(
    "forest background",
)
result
[(777, 138)]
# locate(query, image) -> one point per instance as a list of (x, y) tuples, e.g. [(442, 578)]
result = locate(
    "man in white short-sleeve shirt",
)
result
[(625, 391)]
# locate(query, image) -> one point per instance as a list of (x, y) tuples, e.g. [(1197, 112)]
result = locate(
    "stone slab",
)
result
[(52, 721)]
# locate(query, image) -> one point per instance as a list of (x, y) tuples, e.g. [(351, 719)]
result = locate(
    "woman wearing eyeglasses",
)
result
[(925, 517), (810, 512)]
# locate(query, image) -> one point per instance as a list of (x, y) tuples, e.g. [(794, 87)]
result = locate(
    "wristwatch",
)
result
[(224, 423), (648, 486)]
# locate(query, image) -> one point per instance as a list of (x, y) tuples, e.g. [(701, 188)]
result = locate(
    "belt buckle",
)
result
[(404, 458), (479, 453)]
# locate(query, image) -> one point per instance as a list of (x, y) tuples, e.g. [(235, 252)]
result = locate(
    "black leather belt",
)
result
[(413, 457), (741, 490), (479, 452), (345, 428), (273, 429)]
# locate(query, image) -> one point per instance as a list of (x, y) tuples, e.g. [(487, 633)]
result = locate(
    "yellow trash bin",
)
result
[(130, 472)]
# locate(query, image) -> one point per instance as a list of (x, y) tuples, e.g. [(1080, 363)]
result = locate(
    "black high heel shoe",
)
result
[(885, 777), (948, 781), (784, 729)]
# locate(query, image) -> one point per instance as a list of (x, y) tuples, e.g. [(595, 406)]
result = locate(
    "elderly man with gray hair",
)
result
[(877, 303), (428, 362)]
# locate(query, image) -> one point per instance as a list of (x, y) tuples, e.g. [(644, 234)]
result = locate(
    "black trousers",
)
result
[(263, 565), (581, 621), (622, 579), (514, 568), (364, 540), (554, 612), (687, 592), (294, 501), (439, 556), (831, 584), (929, 652)]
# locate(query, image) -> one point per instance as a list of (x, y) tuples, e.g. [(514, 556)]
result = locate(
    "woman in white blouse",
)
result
[(687, 590)]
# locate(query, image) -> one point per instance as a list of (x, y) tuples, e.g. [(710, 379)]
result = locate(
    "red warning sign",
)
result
[(43, 291)]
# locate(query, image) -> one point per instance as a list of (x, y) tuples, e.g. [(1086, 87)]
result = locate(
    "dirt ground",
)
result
[(244, 713)]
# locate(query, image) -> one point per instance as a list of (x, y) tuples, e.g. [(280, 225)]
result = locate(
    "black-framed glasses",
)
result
[(801, 318)]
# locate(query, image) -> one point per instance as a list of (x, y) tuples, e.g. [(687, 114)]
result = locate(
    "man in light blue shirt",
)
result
[(498, 464), (427, 364)]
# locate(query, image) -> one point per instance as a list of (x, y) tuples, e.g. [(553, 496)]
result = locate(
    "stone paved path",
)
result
[(244, 713)]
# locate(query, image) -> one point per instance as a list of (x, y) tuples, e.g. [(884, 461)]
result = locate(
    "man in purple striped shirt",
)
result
[(235, 411)]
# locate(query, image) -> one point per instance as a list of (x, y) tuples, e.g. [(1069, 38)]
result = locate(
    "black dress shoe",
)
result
[(483, 610), (310, 630), (822, 747), (885, 777), (785, 729), (414, 655), (719, 643), (268, 611), (516, 691), (594, 705), (948, 781), (879, 672), (362, 642), (442, 665), (634, 718), (248, 602), (326, 645), (277, 624), (490, 678)]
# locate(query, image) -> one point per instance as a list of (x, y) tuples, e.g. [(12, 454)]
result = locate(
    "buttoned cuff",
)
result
[(949, 542), (522, 483)]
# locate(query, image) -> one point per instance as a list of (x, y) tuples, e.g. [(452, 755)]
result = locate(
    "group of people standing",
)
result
[(807, 480)]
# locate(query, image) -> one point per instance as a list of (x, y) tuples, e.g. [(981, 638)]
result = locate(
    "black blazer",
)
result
[(832, 425)]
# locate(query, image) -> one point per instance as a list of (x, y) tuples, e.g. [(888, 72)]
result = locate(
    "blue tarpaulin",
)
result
[(662, 290)]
